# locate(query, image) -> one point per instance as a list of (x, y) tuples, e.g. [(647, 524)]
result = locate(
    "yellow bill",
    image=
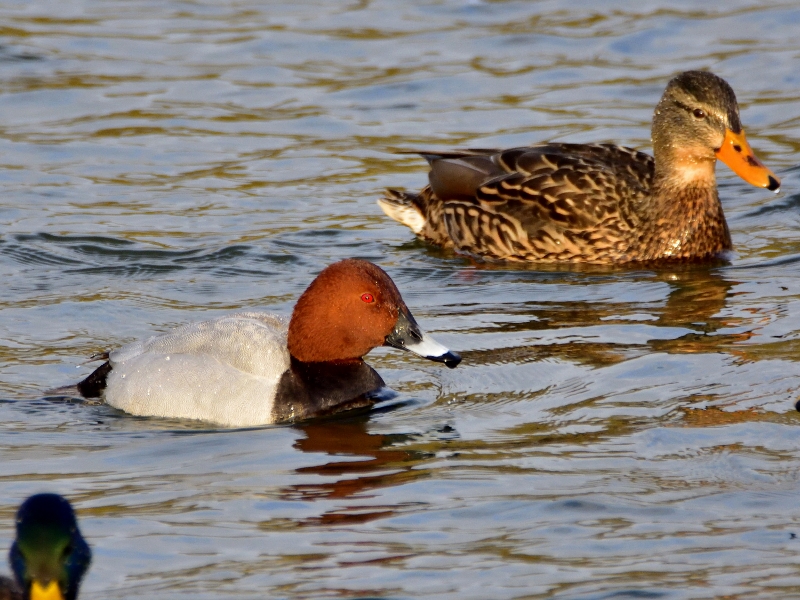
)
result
[(50, 591)]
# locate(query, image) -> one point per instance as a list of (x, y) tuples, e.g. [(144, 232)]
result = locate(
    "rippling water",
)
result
[(611, 433)]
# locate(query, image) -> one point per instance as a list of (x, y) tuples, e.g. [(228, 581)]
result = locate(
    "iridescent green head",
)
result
[(49, 556)]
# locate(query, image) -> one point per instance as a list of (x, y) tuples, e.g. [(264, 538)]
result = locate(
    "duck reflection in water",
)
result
[(371, 461), (695, 300)]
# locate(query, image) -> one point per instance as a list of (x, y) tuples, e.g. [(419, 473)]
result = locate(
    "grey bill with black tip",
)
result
[(407, 335)]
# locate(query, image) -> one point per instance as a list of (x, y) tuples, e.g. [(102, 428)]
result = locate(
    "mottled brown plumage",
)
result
[(593, 203)]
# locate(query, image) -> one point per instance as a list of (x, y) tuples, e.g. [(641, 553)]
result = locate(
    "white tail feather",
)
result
[(407, 214)]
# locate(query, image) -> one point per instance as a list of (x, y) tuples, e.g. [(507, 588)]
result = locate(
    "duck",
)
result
[(593, 203), (49, 556), (254, 368)]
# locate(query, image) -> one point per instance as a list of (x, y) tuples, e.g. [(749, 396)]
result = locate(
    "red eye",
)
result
[(368, 298)]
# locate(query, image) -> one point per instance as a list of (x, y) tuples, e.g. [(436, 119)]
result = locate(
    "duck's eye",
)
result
[(368, 298), (699, 113)]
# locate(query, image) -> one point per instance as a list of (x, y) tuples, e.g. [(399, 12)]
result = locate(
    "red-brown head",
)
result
[(352, 307)]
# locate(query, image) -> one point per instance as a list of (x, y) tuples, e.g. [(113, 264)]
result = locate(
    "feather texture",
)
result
[(591, 203)]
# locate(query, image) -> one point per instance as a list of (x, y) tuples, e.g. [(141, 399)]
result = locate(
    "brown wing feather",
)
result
[(556, 202)]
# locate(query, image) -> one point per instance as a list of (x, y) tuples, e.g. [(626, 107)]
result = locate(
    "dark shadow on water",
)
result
[(7, 55)]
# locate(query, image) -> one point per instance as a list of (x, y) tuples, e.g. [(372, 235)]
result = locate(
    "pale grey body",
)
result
[(224, 371)]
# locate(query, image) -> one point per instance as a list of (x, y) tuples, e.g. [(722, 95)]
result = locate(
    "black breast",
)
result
[(318, 389)]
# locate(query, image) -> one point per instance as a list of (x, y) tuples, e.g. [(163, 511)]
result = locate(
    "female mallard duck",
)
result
[(49, 556), (593, 203)]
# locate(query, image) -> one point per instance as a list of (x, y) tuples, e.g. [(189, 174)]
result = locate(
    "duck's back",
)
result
[(224, 370), (548, 202)]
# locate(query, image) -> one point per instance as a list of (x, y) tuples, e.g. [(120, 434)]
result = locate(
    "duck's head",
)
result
[(352, 307), (49, 556), (697, 122)]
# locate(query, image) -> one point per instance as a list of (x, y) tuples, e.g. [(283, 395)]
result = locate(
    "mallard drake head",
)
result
[(49, 555), (697, 122)]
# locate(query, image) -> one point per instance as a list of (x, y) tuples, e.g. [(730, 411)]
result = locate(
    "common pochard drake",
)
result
[(593, 203), (49, 556), (250, 368)]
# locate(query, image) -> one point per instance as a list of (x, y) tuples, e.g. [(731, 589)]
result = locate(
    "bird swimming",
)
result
[(593, 203), (252, 368)]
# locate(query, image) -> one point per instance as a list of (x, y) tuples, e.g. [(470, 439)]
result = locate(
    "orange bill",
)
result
[(737, 154)]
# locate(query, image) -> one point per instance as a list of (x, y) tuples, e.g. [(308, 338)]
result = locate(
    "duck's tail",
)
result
[(404, 208), (89, 388), (422, 213), (94, 384)]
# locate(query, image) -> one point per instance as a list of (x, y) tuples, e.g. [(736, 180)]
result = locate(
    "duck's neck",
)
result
[(685, 212)]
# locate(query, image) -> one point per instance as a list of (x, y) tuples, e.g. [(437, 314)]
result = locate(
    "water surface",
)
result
[(610, 433)]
